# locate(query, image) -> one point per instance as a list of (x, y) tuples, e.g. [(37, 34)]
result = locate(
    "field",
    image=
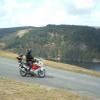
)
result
[(14, 90)]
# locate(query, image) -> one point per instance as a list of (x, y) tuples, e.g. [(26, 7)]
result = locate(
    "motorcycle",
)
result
[(37, 68)]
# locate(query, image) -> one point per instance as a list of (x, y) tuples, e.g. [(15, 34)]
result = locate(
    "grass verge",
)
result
[(72, 68), (13, 90), (8, 54)]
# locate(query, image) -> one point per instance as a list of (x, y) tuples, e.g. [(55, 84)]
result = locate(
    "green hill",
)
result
[(66, 43)]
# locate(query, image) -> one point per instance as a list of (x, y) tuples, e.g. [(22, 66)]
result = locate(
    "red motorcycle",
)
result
[(37, 68)]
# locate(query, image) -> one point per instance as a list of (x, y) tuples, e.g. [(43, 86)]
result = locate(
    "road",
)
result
[(80, 83)]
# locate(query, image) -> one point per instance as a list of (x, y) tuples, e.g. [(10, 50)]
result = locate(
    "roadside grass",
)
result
[(72, 68), (57, 65), (8, 54), (14, 90)]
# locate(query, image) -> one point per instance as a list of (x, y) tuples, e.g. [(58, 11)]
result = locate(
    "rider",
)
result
[(29, 58)]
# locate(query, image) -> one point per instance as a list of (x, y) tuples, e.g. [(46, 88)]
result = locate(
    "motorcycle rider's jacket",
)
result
[(29, 58)]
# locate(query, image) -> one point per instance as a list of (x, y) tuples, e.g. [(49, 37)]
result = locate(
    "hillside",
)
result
[(66, 43)]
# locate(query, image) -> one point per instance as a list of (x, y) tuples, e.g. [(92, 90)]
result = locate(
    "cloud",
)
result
[(12, 10), (84, 4), (43, 12), (81, 7)]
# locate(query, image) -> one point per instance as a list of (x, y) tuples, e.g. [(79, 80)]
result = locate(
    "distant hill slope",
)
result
[(58, 42)]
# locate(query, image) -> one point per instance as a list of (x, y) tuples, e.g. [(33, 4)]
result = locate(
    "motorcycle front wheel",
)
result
[(41, 73)]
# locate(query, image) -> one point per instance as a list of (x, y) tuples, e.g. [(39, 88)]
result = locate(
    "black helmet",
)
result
[(29, 51)]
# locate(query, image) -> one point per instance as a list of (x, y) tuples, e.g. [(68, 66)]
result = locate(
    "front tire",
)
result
[(41, 73)]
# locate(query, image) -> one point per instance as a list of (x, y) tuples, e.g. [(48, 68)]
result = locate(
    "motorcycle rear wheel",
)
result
[(23, 72)]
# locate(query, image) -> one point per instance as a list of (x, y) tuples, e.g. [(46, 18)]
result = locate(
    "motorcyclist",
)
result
[(29, 59)]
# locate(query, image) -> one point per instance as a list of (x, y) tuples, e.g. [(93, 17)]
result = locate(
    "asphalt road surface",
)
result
[(80, 83)]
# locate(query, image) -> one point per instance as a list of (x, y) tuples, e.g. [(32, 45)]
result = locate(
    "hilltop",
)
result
[(65, 43)]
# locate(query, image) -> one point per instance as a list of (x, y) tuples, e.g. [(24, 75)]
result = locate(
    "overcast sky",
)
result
[(42, 12)]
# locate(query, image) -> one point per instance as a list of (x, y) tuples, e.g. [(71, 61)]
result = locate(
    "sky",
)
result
[(14, 13)]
